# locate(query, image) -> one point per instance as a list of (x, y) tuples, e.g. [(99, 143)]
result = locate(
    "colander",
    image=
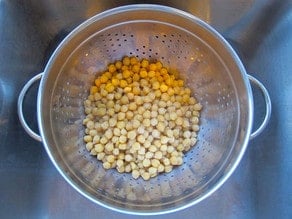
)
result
[(181, 42)]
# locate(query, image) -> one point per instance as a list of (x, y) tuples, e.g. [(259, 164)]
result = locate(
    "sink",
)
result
[(259, 30)]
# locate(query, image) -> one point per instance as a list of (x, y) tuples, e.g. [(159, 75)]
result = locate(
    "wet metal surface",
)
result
[(261, 33)]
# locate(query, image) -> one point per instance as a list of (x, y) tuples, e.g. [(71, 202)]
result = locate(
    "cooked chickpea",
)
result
[(122, 146), (108, 134), (153, 122), (141, 130), (89, 146), (147, 143), (163, 147), (158, 155), (100, 156), (135, 174), (136, 146), (146, 162), (149, 155), (145, 175), (87, 138), (128, 157), (122, 139), (152, 148), (155, 133), (141, 139), (168, 169), (131, 134), (106, 165), (109, 147), (121, 115), (146, 122)]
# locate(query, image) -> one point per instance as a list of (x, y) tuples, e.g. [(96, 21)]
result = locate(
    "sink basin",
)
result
[(259, 30)]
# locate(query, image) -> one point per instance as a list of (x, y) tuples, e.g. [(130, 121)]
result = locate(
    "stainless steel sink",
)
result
[(261, 33)]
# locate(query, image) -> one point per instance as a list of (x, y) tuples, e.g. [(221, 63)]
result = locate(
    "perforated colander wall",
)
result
[(203, 71)]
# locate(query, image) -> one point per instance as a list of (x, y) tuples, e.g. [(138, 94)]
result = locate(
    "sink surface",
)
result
[(259, 30)]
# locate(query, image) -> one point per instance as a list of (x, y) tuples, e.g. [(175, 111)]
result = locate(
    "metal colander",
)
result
[(181, 42)]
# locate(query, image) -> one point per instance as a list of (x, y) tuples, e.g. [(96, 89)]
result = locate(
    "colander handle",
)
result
[(20, 107), (268, 106)]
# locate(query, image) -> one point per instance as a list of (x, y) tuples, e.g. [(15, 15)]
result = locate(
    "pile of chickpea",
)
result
[(140, 118)]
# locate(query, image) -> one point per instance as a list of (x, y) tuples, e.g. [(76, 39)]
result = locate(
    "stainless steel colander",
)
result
[(180, 41)]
